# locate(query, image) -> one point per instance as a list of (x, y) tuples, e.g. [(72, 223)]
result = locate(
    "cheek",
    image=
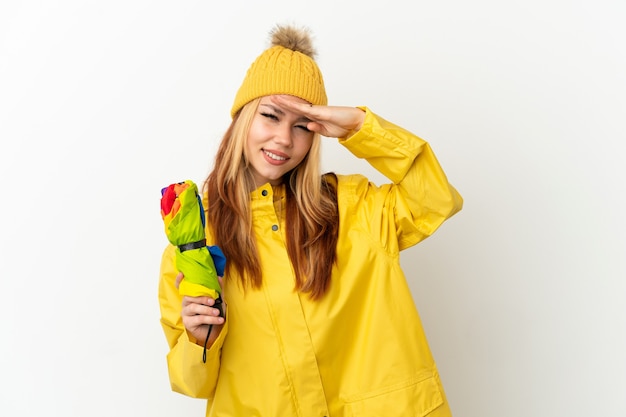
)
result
[(253, 133), (255, 136), (302, 148)]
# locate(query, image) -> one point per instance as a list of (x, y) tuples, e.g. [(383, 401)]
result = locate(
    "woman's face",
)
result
[(278, 140)]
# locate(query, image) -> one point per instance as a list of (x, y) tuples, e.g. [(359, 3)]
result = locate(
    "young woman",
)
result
[(319, 318)]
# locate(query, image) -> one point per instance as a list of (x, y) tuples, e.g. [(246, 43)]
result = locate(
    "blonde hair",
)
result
[(312, 217)]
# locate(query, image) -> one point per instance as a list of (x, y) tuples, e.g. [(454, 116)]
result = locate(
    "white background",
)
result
[(522, 294)]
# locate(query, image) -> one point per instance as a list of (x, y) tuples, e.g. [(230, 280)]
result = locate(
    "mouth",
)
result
[(274, 157)]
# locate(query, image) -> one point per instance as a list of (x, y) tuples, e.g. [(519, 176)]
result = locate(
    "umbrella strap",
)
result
[(193, 245), (218, 305), (205, 343)]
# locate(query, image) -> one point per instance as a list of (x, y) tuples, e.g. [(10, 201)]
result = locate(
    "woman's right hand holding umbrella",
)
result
[(198, 315)]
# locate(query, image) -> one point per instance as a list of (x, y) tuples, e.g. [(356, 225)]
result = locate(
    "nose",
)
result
[(282, 136)]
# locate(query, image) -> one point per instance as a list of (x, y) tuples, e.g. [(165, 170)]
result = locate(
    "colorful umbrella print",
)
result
[(183, 217)]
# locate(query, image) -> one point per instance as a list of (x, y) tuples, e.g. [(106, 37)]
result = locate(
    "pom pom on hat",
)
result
[(287, 67)]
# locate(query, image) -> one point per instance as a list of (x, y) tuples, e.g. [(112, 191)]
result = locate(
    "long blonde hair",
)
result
[(312, 217)]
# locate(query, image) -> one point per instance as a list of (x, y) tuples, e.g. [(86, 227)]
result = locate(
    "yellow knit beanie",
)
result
[(287, 67)]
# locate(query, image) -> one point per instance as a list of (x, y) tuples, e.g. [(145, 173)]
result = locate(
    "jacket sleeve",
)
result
[(188, 374), (418, 200)]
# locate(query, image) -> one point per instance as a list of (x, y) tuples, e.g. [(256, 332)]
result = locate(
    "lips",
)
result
[(274, 157)]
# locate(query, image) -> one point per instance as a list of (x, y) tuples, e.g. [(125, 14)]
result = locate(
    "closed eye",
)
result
[(303, 127), (275, 117), (269, 116)]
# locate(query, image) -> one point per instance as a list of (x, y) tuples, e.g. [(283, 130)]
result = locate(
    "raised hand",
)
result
[(330, 121)]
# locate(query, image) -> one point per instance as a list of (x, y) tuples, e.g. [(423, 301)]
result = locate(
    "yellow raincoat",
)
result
[(360, 350)]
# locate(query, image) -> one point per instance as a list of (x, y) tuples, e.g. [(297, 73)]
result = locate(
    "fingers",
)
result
[(297, 105), (194, 322), (198, 305), (198, 311)]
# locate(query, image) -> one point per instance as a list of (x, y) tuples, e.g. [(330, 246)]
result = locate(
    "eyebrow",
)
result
[(280, 112)]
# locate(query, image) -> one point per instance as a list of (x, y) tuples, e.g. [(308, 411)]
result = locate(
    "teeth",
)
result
[(274, 156)]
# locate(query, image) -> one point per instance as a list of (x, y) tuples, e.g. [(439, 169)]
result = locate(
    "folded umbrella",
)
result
[(183, 217)]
